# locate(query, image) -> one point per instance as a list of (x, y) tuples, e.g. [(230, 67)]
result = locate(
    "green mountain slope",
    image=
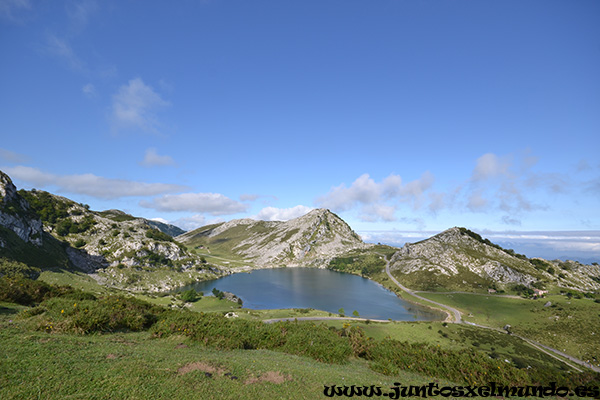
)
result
[(458, 259), (311, 240), (40, 231)]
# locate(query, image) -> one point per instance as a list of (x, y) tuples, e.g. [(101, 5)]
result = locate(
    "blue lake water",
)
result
[(319, 289)]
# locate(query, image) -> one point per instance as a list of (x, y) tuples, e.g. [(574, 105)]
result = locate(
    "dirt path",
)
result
[(457, 319), (455, 312), (508, 296), (268, 321)]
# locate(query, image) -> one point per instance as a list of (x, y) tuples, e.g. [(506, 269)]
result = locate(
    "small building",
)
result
[(539, 292), (490, 291)]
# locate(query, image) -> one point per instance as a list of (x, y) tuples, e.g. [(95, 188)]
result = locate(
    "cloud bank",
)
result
[(281, 214), (210, 203), (90, 184)]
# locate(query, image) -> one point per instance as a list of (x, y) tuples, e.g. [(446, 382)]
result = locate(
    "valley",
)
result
[(111, 255)]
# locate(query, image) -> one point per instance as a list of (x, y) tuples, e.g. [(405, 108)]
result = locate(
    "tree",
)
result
[(189, 296), (355, 314), (218, 294), (341, 312)]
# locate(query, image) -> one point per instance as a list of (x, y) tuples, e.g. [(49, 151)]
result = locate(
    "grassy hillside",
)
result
[(569, 324), (110, 346), (21, 258)]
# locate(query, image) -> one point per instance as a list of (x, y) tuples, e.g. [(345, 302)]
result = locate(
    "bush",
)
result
[(158, 235), (29, 292), (218, 294), (214, 330), (107, 314), (80, 243), (189, 296)]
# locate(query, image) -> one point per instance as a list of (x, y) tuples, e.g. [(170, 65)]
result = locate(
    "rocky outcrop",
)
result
[(16, 214), (454, 252), (312, 239), (460, 253)]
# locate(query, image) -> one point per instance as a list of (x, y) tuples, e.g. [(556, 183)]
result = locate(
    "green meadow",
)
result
[(571, 325), (59, 342)]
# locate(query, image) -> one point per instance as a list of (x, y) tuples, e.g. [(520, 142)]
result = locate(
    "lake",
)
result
[(319, 289)]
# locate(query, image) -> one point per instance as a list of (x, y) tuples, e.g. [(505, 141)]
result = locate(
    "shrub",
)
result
[(189, 296), (107, 314), (29, 292), (315, 341), (155, 234)]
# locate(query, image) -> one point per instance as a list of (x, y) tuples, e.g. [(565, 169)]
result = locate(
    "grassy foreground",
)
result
[(59, 342), (138, 366)]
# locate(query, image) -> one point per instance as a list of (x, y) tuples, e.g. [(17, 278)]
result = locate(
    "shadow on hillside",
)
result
[(7, 311)]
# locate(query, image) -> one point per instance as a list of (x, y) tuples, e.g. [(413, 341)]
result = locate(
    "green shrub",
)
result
[(107, 314), (29, 292), (214, 330), (189, 296), (155, 234)]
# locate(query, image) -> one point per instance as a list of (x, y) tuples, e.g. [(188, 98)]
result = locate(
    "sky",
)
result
[(404, 117)]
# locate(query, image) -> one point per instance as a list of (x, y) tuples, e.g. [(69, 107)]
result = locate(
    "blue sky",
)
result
[(400, 116)]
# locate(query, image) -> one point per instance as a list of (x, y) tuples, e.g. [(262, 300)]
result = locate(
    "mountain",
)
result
[(311, 240), (457, 259), (25, 248), (119, 216), (44, 231)]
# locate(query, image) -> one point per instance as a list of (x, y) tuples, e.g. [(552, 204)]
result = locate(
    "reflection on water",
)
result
[(319, 289)]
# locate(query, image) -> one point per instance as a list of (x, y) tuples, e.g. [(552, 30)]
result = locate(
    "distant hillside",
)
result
[(458, 258), (39, 230), (310, 240)]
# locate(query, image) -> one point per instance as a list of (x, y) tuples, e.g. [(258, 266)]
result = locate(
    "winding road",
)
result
[(458, 319)]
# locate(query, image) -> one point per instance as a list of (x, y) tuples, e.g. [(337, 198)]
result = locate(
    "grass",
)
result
[(459, 338), (137, 366), (76, 279), (575, 331), (46, 344), (51, 254)]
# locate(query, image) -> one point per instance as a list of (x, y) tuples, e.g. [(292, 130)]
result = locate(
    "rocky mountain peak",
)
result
[(311, 239), (16, 215), (8, 191)]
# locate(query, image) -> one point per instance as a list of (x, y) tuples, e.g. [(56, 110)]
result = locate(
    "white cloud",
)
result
[(510, 221), (134, 107), (377, 200), (249, 197), (9, 8), (91, 185), (89, 90), (195, 221), (158, 219), (364, 190), (79, 12), (153, 159), (61, 49), (341, 198), (413, 191), (489, 166), (211, 203), (477, 202), (12, 157), (282, 214), (377, 212)]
